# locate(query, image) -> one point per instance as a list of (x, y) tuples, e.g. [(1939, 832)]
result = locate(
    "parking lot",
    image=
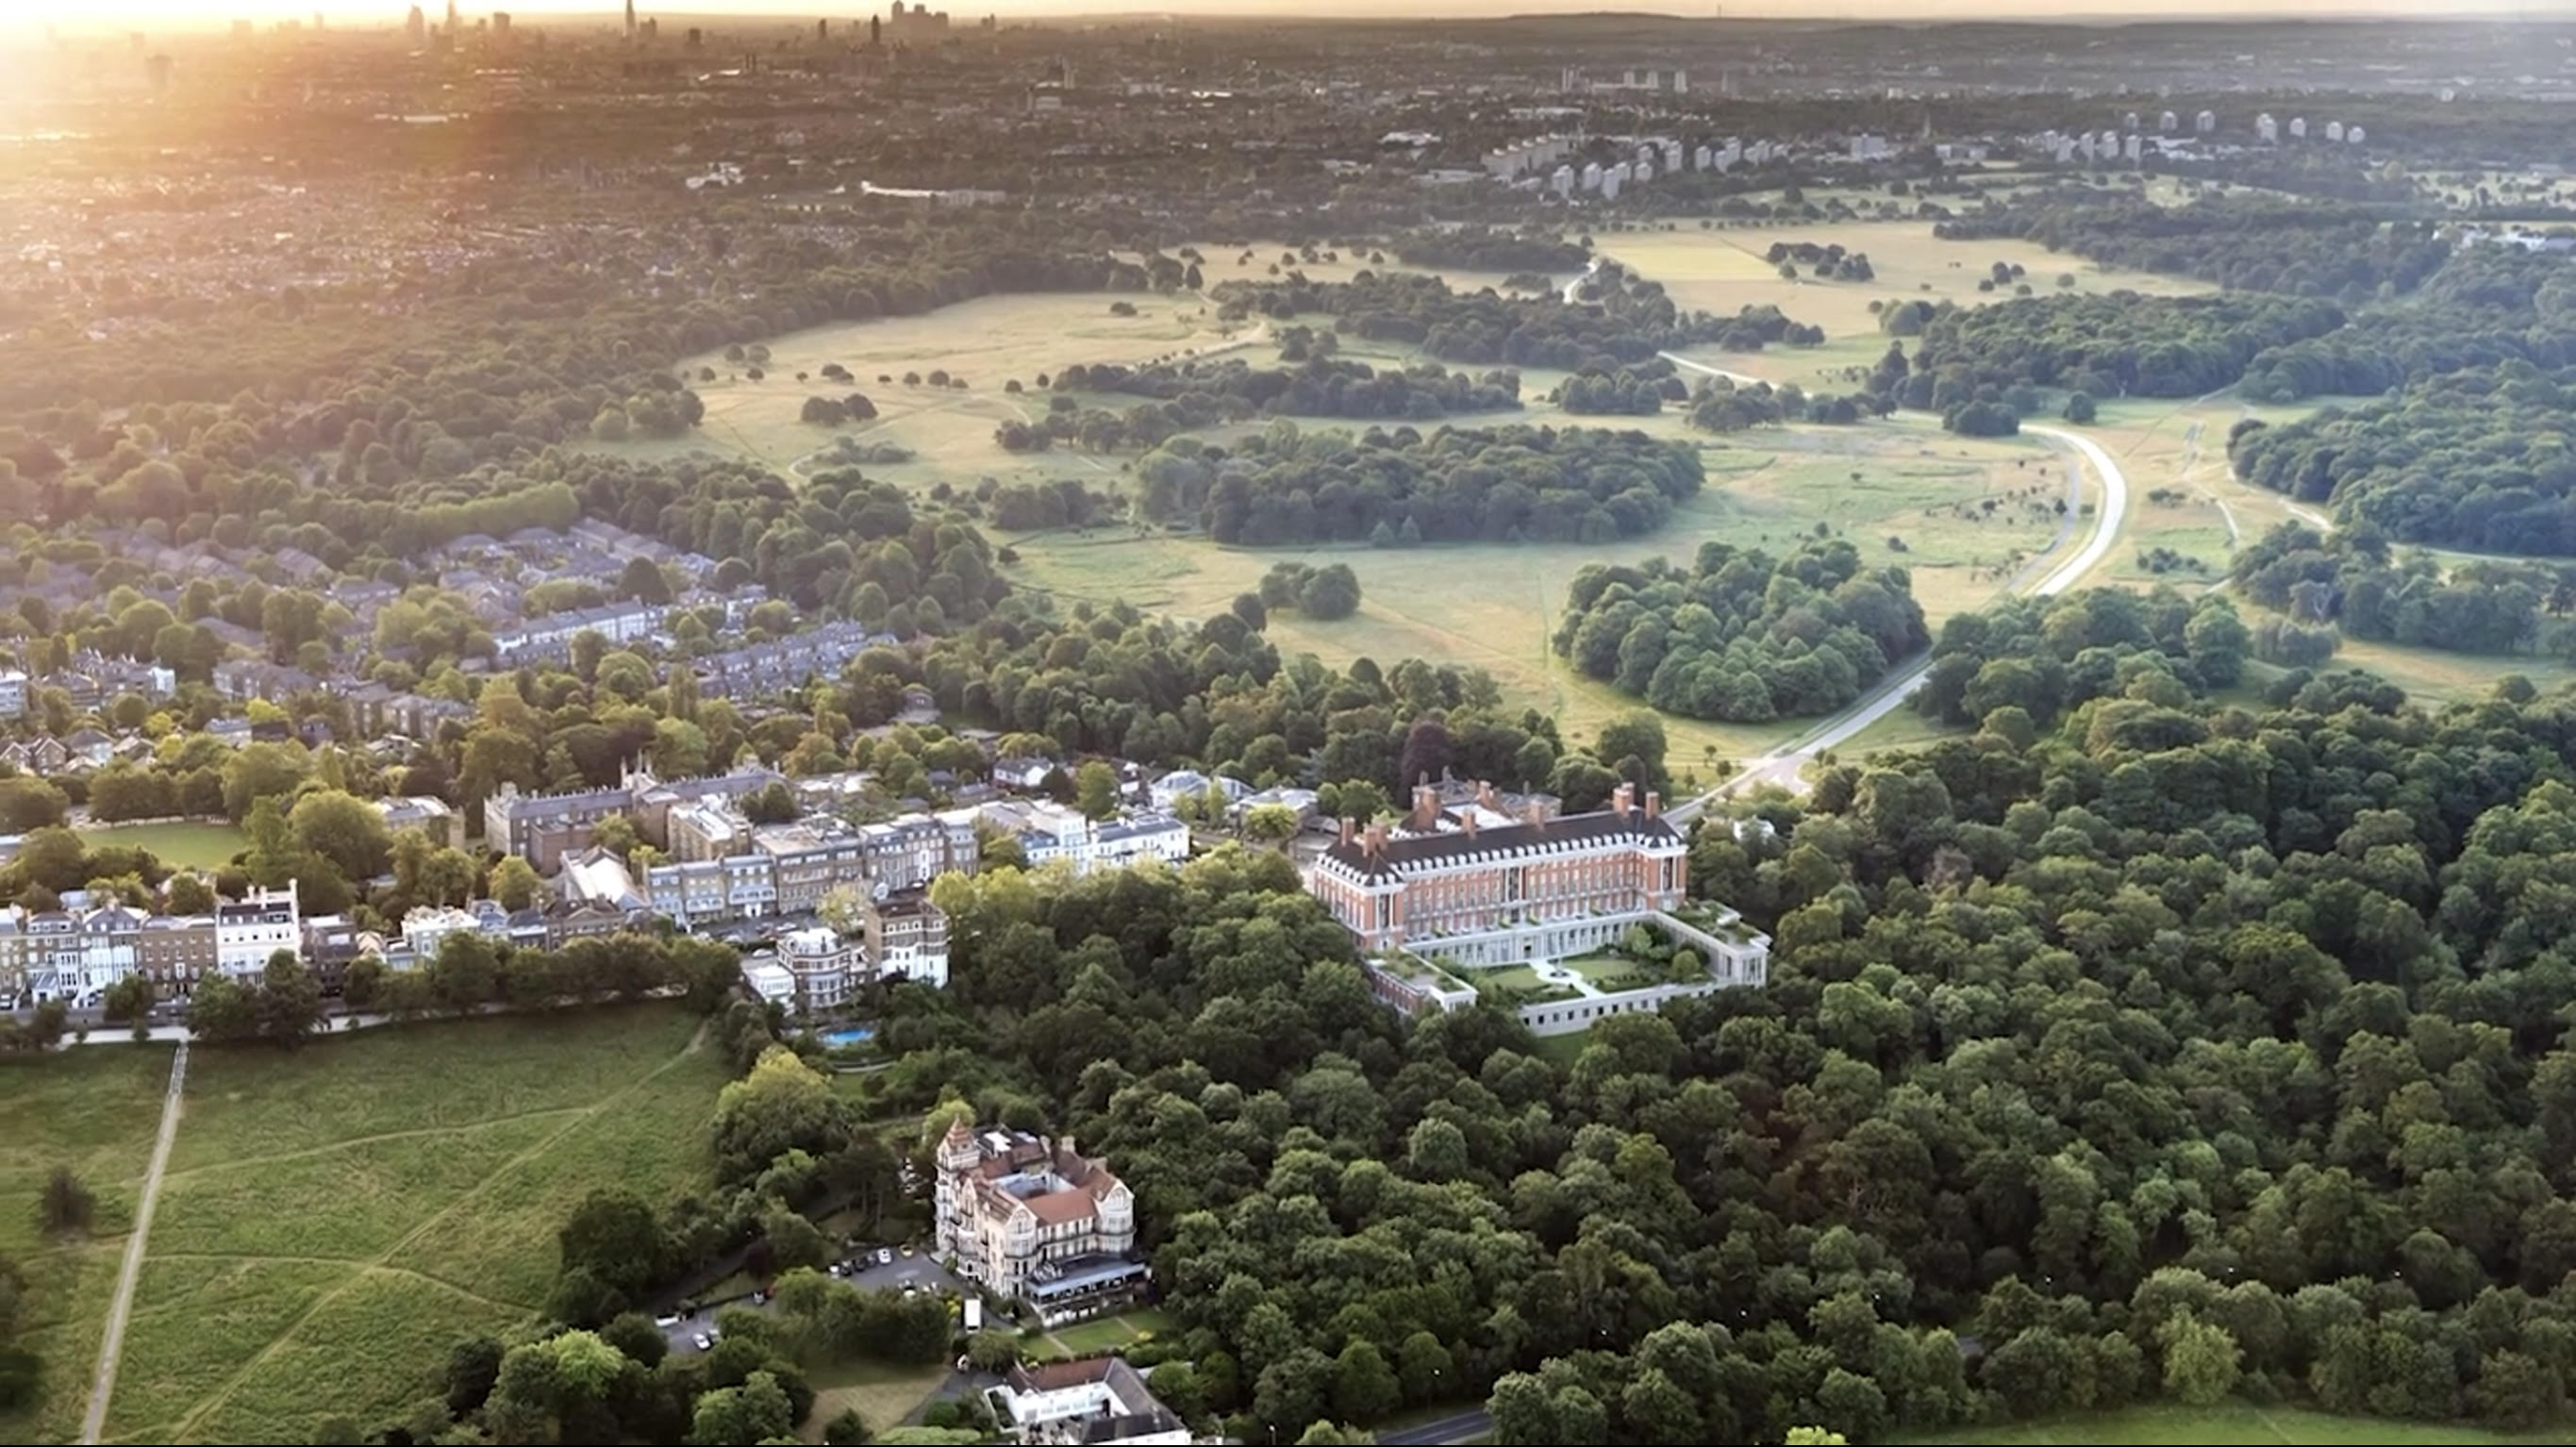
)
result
[(917, 1271)]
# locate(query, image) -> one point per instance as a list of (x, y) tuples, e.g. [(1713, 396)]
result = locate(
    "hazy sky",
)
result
[(73, 16)]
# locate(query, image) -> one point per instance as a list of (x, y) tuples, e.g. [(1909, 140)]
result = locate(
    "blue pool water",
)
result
[(852, 1036)]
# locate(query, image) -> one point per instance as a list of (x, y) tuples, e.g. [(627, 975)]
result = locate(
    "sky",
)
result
[(74, 16)]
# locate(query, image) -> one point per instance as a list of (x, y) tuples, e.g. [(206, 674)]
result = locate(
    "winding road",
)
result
[(1782, 765), (111, 1344)]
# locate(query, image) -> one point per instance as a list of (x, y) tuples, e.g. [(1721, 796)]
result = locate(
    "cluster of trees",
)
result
[(1505, 484), (2351, 580), (2119, 344), (1480, 248), (835, 411), (1722, 405), (2461, 459), (1229, 389), (1022, 507), (2244, 241), (1628, 320), (1322, 593), (1740, 635), (1828, 262), (1638, 390), (2028, 662)]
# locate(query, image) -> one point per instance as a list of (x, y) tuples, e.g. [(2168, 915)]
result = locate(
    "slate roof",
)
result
[(1398, 856)]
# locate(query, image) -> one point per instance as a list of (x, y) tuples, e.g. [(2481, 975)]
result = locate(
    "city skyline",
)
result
[(217, 14)]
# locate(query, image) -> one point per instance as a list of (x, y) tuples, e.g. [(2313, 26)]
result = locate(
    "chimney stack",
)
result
[(1533, 815), (1624, 799), (1485, 796), (1654, 804), (1350, 827), (1470, 817), (1426, 809), (1376, 839)]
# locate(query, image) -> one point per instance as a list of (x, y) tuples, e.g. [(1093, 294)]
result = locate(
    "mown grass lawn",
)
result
[(882, 1393), (187, 844)]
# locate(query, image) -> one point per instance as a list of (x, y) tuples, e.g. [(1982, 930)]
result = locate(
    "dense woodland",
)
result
[(1288, 486), (1626, 320), (2351, 580), (1205, 393), (2117, 345), (1739, 635), (2130, 1048), (2241, 241)]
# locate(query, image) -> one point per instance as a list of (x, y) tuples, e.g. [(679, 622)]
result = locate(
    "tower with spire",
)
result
[(630, 19)]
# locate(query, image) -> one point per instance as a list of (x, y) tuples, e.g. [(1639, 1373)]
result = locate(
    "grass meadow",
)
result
[(94, 1110), (2229, 1424), (1494, 606), (187, 844), (342, 1214)]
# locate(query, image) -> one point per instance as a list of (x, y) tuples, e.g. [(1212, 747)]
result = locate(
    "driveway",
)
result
[(918, 1271)]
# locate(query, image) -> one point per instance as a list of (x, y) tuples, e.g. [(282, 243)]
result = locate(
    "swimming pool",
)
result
[(854, 1035)]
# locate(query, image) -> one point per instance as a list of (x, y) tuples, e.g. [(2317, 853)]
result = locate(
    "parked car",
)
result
[(701, 1341), (885, 1255), (666, 1322)]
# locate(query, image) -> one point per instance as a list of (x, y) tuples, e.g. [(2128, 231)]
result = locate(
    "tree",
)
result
[(781, 1105), (1364, 1388), (190, 894), (2080, 408), (2201, 1359), (642, 580), (848, 1429), (1329, 592), (289, 1001), (1334, 1434), (66, 1205), (344, 830), (515, 883), (615, 1236), (473, 1368), (1523, 1415), (754, 1412), (793, 1241), (30, 804), (1096, 789), (129, 999)]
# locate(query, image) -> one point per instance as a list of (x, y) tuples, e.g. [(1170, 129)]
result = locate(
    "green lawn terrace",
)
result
[(1660, 957)]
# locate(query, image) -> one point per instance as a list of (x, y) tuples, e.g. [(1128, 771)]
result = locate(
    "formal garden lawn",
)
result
[(344, 1213), (2225, 1425), (1106, 1334), (186, 844), (882, 1393), (94, 1110)]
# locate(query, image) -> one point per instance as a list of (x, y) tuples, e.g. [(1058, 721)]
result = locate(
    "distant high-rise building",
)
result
[(876, 30), (696, 38), (500, 24), (2298, 128), (2130, 123), (2334, 130), (2266, 129), (158, 67), (2354, 135), (317, 19), (630, 19), (822, 30), (2205, 123), (416, 25), (451, 17), (1681, 82)]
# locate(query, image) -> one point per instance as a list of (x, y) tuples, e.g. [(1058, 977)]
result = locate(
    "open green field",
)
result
[(343, 1214), (2225, 1425), (1724, 271), (187, 844), (882, 1394), (988, 342), (1563, 1049), (1494, 606), (94, 1110)]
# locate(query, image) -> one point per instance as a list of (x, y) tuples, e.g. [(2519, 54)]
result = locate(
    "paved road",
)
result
[(1783, 765), (112, 1345), (1465, 1427), (914, 1270)]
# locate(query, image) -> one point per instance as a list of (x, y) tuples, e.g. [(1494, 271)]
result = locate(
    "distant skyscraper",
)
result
[(630, 19), (158, 67), (451, 17), (500, 24), (416, 25)]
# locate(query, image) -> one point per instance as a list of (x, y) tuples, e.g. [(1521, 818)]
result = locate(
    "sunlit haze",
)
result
[(198, 14)]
